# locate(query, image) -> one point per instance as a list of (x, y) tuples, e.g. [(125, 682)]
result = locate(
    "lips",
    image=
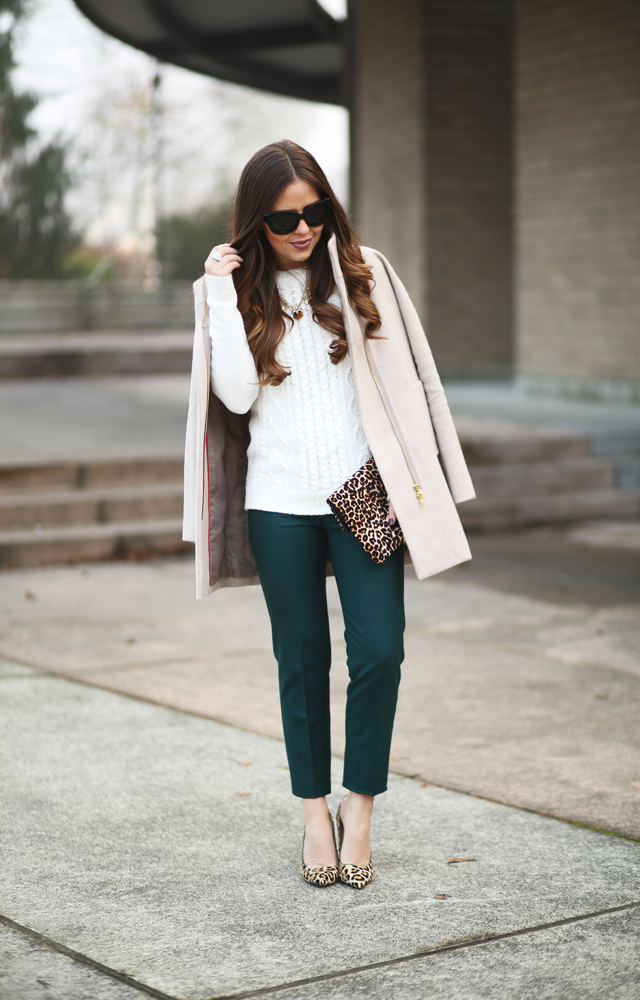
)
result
[(301, 244)]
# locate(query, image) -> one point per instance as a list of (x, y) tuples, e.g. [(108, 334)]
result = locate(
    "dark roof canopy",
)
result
[(291, 47)]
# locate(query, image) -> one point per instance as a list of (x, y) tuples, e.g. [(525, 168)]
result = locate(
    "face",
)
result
[(295, 248)]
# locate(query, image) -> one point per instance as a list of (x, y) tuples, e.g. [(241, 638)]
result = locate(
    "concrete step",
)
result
[(92, 542), (539, 479), (509, 513), (57, 355), (38, 511), (92, 474), (498, 442)]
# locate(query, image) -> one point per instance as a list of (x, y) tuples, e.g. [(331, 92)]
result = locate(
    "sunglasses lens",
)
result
[(317, 215), (282, 223)]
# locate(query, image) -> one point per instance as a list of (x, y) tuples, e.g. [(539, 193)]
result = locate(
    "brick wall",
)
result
[(388, 134), (578, 195), (469, 178), (432, 166)]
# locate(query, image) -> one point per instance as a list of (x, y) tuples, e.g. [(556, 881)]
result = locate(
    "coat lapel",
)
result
[(352, 324), (355, 341)]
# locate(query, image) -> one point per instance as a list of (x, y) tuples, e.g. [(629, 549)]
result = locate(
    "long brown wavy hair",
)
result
[(264, 178)]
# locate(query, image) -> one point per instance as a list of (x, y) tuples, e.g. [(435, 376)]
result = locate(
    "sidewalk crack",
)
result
[(454, 946), (264, 991)]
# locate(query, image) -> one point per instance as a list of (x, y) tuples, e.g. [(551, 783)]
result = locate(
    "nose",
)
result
[(303, 229)]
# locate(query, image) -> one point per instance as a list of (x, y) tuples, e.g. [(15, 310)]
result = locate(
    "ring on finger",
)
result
[(216, 255)]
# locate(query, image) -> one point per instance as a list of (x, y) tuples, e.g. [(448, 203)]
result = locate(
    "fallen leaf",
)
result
[(398, 758), (442, 895), (488, 937), (284, 767), (242, 794), (635, 784), (455, 861), (245, 763), (130, 642), (601, 697), (29, 595), (425, 784), (43, 982)]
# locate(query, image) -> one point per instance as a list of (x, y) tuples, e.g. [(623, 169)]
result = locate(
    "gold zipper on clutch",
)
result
[(385, 402)]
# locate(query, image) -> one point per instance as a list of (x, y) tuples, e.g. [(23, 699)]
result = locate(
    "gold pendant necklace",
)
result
[(296, 311)]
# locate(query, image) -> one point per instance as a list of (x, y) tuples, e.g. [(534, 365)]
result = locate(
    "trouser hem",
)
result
[(309, 793), (359, 790)]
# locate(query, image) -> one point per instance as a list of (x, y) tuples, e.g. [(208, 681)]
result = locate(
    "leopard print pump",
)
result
[(319, 876), (357, 876)]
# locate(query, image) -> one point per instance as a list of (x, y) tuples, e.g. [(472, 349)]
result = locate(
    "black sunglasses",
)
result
[(282, 223)]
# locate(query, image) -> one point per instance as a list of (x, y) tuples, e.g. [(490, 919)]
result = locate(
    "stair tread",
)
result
[(494, 428), (60, 497), (114, 529), (556, 499), (125, 460), (19, 478), (493, 442), (544, 465), (35, 344)]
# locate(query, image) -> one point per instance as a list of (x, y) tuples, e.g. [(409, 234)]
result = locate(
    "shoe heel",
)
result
[(357, 876), (320, 876)]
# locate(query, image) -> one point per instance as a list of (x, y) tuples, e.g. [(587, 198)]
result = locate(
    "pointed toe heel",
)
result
[(357, 876), (319, 875)]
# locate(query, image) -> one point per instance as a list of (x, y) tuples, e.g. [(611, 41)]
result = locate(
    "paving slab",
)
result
[(166, 847), (85, 418), (510, 401), (591, 565), (521, 700), (32, 970), (589, 960)]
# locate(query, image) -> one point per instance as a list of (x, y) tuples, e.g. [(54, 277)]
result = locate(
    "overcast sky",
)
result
[(95, 94)]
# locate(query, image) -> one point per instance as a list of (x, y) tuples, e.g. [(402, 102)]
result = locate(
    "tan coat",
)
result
[(405, 418)]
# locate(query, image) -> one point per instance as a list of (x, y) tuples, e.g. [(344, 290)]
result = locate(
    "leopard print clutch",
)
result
[(361, 505)]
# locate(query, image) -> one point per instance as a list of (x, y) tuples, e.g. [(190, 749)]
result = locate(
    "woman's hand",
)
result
[(229, 261), (392, 517)]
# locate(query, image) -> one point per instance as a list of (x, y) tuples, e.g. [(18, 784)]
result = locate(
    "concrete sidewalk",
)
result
[(528, 701), (157, 848), (91, 418), (152, 843)]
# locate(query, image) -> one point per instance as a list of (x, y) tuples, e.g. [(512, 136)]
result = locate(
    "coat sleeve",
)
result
[(455, 467), (234, 378)]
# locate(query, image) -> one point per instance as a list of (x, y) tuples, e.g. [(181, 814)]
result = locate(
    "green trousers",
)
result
[(291, 555)]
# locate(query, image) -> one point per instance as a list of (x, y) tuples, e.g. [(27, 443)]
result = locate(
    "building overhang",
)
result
[(290, 47)]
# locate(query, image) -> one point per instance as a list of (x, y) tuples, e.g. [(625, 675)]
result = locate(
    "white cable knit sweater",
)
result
[(306, 435)]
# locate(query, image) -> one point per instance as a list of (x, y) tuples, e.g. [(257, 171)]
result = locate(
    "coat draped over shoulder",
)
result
[(405, 417)]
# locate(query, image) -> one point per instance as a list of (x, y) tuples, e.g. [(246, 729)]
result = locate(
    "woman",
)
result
[(309, 358)]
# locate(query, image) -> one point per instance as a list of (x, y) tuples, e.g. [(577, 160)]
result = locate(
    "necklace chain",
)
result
[(296, 311)]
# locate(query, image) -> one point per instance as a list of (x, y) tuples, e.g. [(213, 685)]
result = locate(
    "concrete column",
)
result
[(388, 134), (432, 166), (578, 196)]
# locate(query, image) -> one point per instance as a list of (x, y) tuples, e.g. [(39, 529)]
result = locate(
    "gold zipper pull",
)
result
[(419, 493)]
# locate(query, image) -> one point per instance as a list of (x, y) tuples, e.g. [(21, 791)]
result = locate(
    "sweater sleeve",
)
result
[(234, 378)]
